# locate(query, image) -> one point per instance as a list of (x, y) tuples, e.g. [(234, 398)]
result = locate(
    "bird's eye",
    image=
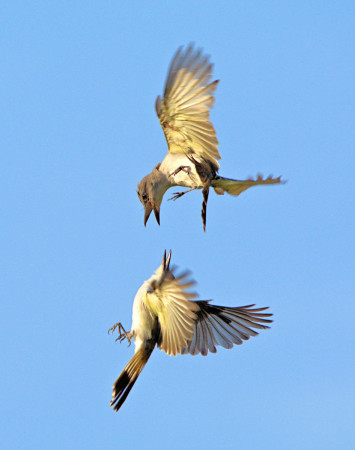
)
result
[(144, 197)]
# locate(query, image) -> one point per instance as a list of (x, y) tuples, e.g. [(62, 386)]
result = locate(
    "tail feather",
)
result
[(236, 187), (124, 383)]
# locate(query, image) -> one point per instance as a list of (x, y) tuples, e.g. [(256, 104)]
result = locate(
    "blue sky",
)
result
[(78, 131)]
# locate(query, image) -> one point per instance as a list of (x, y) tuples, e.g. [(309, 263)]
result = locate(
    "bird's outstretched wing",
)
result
[(184, 110), (225, 326), (169, 300)]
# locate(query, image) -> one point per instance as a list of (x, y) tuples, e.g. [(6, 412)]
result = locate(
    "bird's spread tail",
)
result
[(124, 383), (236, 187)]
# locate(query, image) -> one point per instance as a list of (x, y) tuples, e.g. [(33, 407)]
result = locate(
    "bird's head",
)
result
[(150, 192), (162, 272)]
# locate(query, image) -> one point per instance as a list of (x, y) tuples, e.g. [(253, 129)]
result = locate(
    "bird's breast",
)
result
[(180, 170), (142, 318)]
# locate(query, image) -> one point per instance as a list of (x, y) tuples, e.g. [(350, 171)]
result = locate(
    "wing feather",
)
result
[(184, 110), (171, 301), (225, 326)]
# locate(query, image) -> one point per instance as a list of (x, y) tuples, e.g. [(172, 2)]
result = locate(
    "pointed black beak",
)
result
[(148, 209), (157, 213), (166, 260)]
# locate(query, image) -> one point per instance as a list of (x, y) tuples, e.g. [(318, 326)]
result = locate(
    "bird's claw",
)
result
[(176, 195), (180, 194), (179, 169), (123, 334)]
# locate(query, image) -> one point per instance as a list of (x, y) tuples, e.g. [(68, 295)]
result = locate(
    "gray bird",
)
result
[(164, 315), (192, 155)]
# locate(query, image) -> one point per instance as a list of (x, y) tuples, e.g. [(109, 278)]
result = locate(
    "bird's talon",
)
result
[(112, 329), (185, 169), (176, 195), (123, 334)]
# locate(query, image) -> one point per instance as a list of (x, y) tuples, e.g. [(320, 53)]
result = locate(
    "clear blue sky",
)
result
[(78, 131)]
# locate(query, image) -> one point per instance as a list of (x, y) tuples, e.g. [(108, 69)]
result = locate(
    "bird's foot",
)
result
[(177, 195), (123, 334), (185, 169)]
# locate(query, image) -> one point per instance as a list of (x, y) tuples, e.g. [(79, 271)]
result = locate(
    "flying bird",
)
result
[(192, 156), (165, 315)]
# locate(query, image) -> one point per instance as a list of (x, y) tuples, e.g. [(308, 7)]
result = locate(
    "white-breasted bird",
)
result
[(164, 315), (192, 155)]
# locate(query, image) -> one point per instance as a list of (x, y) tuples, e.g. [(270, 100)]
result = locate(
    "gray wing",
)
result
[(225, 326)]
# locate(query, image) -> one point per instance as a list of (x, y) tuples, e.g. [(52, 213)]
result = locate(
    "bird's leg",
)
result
[(186, 169), (205, 192), (180, 194), (123, 334)]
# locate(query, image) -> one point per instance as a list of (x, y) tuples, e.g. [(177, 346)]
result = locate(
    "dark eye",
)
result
[(144, 197)]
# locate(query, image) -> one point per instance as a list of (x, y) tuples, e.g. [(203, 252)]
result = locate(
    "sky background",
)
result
[(78, 131)]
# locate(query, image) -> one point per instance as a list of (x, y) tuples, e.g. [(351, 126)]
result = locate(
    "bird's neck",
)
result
[(161, 184)]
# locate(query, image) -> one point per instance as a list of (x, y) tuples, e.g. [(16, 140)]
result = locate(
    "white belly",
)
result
[(142, 320), (187, 177)]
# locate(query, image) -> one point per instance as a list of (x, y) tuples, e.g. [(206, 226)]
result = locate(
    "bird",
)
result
[(192, 157), (165, 315)]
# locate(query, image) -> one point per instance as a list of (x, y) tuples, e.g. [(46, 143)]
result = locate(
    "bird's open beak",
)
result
[(157, 213), (166, 260), (147, 211)]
